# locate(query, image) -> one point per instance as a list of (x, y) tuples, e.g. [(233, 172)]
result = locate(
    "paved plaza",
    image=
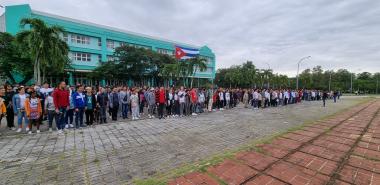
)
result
[(118, 152), (343, 149)]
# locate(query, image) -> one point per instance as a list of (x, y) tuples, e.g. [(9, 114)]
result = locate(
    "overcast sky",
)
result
[(336, 33)]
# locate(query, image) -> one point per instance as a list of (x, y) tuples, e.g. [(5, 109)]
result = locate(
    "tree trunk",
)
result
[(35, 75)]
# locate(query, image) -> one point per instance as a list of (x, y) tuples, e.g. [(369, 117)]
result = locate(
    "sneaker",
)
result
[(27, 129), (66, 126), (59, 131), (13, 128), (30, 132), (152, 116), (50, 130), (18, 130), (133, 118), (194, 114), (71, 126), (149, 116), (38, 131)]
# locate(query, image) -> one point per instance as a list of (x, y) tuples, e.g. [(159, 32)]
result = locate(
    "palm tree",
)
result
[(47, 48), (193, 65)]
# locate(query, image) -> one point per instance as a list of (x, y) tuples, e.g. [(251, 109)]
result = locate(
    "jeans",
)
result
[(102, 114), (181, 108), (69, 118), (52, 115), (61, 118), (20, 116), (194, 107), (124, 110), (151, 109), (79, 117)]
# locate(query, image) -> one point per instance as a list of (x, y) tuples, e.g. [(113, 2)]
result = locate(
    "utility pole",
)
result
[(298, 67)]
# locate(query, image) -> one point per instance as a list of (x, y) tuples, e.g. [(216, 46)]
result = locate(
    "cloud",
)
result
[(337, 34)]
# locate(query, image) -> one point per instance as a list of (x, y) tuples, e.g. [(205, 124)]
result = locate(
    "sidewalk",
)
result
[(344, 149)]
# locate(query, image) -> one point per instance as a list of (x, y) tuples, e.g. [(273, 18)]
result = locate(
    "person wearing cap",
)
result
[(33, 110), (18, 101)]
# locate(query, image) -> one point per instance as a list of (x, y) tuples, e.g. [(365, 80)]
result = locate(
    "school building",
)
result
[(91, 44)]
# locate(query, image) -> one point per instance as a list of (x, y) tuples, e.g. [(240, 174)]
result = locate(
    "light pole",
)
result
[(330, 81), (298, 67), (268, 74)]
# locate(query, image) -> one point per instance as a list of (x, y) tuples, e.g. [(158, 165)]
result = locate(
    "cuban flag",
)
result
[(185, 53)]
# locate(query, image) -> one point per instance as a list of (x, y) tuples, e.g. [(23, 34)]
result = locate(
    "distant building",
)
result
[(91, 44)]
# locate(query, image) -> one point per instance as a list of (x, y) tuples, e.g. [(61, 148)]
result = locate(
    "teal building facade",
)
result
[(91, 44)]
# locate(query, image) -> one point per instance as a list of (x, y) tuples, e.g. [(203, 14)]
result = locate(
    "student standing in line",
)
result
[(102, 102), (19, 108), (62, 104), (114, 103), (135, 105), (3, 108), (161, 102), (182, 100), (9, 105), (69, 117), (90, 106), (33, 111), (50, 111), (79, 104), (151, 101)]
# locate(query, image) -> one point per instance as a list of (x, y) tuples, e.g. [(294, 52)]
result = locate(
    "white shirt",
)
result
[(286, 94), (221, 97), (228, 96), (22, 100), (255, 95), (267, 95), (181, 95)]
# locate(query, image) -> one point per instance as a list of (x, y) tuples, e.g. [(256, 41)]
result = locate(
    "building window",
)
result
[(99, 42), (110, 44), (86, 57), (165, 51), (100, 58), (65, 37), (80, 39), (110, 58)]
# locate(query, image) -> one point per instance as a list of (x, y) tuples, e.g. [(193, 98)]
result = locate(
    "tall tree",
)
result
[(194, 65), (46, 47), (14, 58)]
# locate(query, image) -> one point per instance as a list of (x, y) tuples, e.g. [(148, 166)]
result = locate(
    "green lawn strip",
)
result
[(203, 165)]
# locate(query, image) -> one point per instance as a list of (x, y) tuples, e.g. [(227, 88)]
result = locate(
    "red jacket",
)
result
[(194, 97), (61, 98), (162, 96)]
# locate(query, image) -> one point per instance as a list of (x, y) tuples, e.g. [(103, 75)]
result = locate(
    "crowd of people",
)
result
[(80, 106)]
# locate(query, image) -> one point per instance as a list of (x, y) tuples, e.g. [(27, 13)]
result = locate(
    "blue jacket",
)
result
[(79, 102), (17, 102)]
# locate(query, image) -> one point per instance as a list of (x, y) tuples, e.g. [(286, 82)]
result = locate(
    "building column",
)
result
[(71, 78)]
